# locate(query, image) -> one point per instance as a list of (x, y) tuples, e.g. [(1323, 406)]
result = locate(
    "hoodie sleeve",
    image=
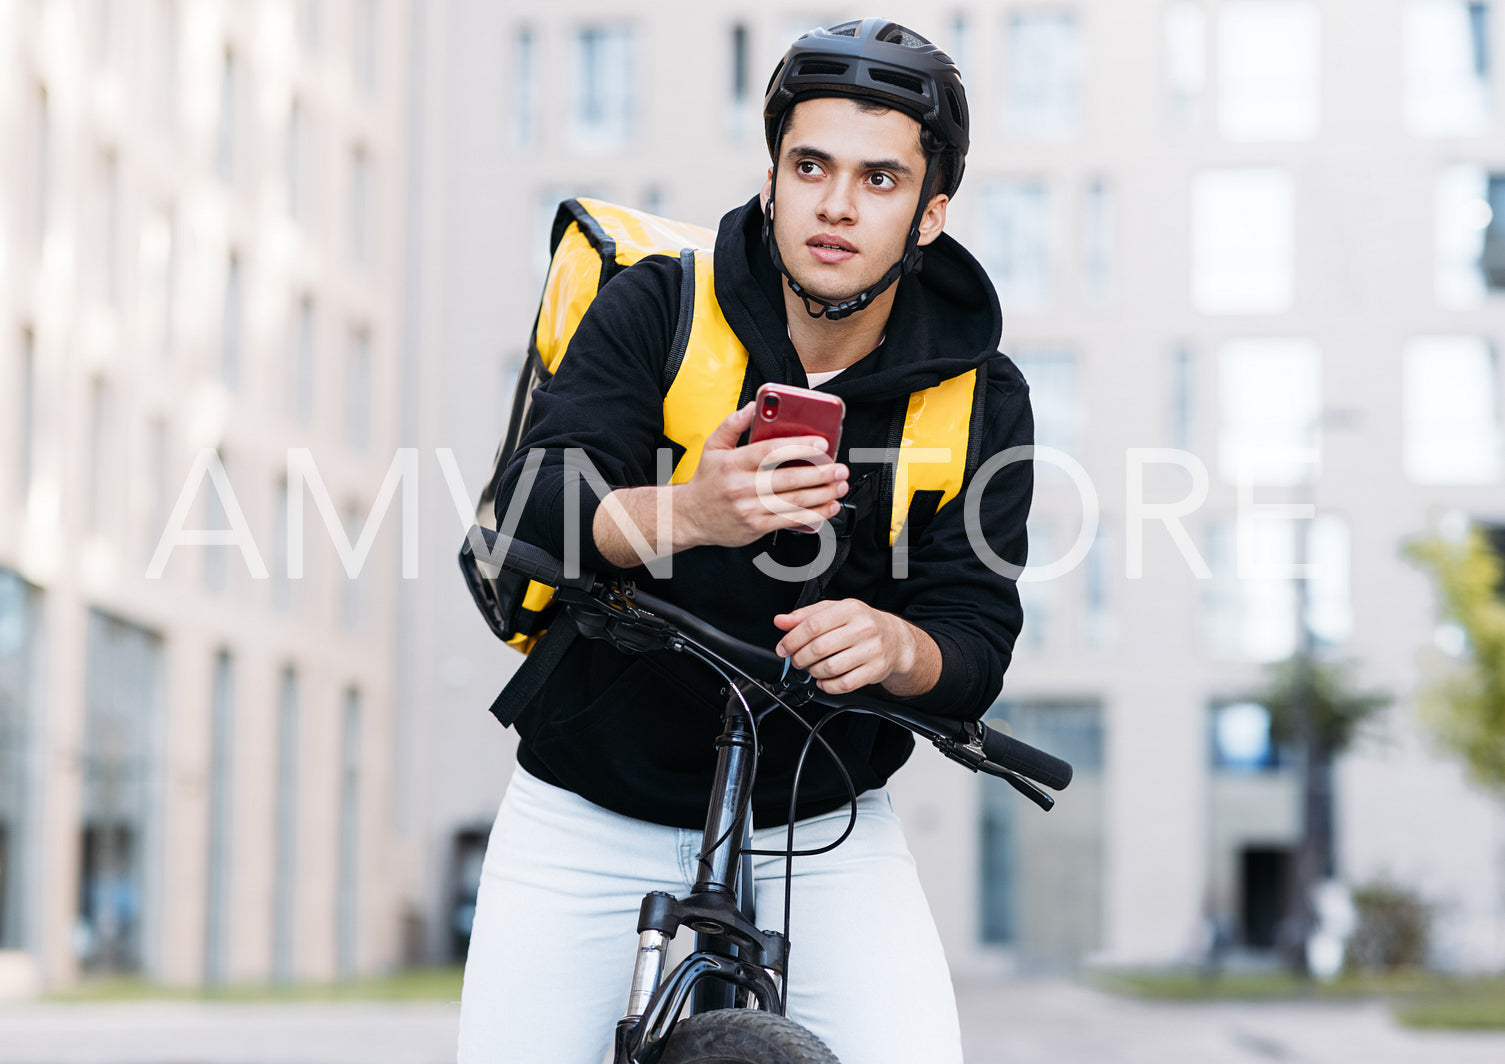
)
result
[(961, 588), (602, 413)]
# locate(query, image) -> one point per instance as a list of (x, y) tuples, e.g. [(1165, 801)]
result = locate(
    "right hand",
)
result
[(736, 494)]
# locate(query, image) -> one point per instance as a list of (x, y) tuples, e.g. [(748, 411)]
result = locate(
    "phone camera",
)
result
[(770, 407)]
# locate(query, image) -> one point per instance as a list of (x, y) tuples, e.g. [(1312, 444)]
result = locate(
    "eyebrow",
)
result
[(894, 165)]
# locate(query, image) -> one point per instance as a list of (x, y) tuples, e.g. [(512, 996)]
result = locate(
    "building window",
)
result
[(285, 856), (103, 448), (524, 104), (1097, 241), (1248, 616), (362, 201), (1270, 401), (301, 382), (225, 154), (26, 421), (1243, 242), (156, 481), (1183, 399), (281, 583), (1447, 65), (43, 163), (109, 227), (1452, 410), (358, 391), (1185, 43), (352, 601), (367, 45), (1042, 885), (1240, 739), (1099, 628), (1044, 74), (1470, 239), (1055, 395), (166, 73), (311, 22), (294, 161), (123, 704), (157, 278), (1251, 608), (741, 81), (604, 85), (1016, 242), (347, 903), (230, 326), (1269, 70), (221, 766), (20, 649), (216, 559)]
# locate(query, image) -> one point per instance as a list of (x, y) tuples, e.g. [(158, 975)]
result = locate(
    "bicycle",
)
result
[(733, 983)]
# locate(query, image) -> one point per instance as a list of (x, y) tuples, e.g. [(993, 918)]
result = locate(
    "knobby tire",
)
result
[(743, 1036)]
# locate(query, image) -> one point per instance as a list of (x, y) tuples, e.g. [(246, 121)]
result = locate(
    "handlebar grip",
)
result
[(515, 556), (1005, 750)]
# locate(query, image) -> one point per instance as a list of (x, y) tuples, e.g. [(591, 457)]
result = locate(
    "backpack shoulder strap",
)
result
[(708, 371), (937, 443)]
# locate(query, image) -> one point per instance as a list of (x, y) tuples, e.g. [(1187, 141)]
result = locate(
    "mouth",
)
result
[(829, 248)]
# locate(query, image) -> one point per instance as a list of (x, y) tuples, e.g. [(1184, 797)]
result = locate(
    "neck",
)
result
[(824, 345)]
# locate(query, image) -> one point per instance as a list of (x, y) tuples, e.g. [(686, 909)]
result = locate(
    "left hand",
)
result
[(846, 644)]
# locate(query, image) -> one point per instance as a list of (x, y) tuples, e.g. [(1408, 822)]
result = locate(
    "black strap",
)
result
[(857, 505), (529, 679)]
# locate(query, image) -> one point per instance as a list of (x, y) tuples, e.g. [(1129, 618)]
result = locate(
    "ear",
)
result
[(933, 221), (767, 189)]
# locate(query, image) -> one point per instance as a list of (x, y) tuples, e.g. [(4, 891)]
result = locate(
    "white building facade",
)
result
[(200, 328), (1249, 258)]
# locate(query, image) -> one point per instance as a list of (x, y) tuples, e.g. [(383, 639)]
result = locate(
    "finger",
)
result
[(808, 623), (787, 449), (848, 682), (725, 435), (784, 479)]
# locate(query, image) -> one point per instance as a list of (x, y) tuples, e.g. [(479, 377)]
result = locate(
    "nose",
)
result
[(838, 204)]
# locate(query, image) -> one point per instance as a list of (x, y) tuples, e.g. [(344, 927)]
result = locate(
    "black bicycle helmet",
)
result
[(882, 61), (877, 60)]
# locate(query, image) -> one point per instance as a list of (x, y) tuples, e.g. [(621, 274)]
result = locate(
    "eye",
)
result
[(808, 167), (881, 180)]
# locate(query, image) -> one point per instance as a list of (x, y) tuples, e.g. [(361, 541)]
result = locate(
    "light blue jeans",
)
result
[(555, 934)]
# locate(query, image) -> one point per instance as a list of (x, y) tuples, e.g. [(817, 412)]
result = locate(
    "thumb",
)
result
[(724, 438)]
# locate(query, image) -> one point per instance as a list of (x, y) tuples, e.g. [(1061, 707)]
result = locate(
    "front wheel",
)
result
[(743, 1036)]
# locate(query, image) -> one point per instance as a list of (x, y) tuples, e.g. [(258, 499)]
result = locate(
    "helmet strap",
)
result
[(909, 262)]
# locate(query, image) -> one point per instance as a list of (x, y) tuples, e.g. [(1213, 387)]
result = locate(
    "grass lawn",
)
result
[(1417, 998), (417, 984)]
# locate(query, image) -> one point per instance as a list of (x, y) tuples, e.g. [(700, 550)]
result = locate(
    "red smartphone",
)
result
[(785, 410)]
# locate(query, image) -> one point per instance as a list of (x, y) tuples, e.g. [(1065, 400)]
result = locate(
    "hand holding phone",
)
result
[(785, 410)]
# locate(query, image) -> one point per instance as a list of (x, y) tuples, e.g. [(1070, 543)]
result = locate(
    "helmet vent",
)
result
[(956, 108), (846, 29), (907, 82), (894, 33), (821, 67)]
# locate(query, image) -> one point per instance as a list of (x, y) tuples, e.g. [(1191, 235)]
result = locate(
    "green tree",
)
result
[(1316, 711), (1339, 711), (1464, 702)]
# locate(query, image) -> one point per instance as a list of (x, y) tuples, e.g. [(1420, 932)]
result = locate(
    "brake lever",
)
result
[(970, 754), (1020, 784)]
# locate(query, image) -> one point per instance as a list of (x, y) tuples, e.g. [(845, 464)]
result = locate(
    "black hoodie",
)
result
[(636, 734)]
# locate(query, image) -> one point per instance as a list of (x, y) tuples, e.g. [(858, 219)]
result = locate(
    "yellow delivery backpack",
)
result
[(593, 241)]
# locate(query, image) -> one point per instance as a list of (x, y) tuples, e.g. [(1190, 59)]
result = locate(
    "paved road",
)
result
[(1013, 1022)]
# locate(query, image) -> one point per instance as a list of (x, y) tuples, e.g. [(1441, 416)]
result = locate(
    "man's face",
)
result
[(849, 181)]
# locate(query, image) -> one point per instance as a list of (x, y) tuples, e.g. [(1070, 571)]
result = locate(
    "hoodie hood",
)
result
[(945, 318)]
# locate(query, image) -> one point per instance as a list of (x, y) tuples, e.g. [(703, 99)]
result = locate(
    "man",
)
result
[(819, 278)]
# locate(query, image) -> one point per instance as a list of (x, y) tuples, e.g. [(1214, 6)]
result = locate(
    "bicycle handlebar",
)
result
[(971, 743)]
